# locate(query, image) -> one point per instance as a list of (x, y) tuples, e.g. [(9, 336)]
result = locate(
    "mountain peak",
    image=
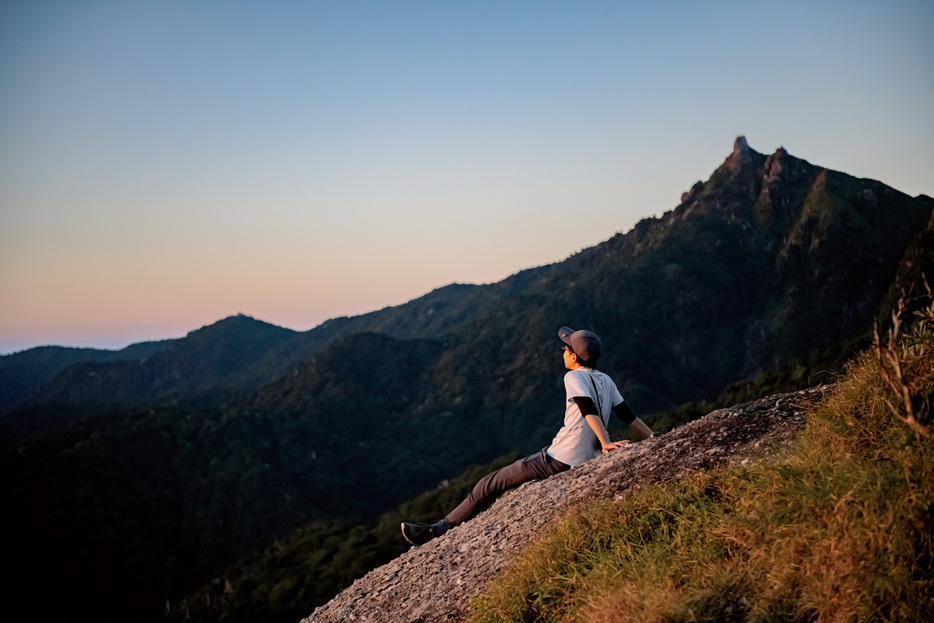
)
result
[(237, 325), (741, 154)]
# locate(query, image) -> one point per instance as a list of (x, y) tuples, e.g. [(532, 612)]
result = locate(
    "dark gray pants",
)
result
[(535, 467)]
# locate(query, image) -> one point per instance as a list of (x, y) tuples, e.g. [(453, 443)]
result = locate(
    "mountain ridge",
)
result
[(24, 372), (775, 181)]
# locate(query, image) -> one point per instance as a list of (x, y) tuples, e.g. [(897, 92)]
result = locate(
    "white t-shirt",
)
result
[(576, 442)]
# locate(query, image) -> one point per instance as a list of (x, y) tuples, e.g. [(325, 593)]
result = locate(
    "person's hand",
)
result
[(613, 445)]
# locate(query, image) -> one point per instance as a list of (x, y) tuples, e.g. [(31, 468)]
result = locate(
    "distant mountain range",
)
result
[(148, 470)]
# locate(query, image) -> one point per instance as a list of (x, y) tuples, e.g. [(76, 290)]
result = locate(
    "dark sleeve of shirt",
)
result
[(586, 405), (624, 413)]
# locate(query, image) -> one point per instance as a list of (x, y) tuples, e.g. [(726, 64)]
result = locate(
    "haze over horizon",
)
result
[(167, 164)]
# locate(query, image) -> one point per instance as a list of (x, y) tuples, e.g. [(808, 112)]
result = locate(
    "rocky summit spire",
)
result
[(741, 154)]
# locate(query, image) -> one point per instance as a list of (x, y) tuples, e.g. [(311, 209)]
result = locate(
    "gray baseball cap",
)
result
[(585, 344)]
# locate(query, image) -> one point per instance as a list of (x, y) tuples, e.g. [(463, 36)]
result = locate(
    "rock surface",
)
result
[(438, 580)]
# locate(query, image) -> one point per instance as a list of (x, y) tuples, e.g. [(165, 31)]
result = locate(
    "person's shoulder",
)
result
[(575, 376)]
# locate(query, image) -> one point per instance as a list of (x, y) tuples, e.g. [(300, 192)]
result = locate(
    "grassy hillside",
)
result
[(839, 529)]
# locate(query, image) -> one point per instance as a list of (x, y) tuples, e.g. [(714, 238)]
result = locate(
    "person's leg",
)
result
[(535, 467)]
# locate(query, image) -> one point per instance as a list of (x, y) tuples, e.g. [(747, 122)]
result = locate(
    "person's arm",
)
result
[(624, 413), (589, 411), (640, 427), (596, 423)]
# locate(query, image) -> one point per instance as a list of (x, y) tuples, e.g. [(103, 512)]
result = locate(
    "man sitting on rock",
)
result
[(591, 397)]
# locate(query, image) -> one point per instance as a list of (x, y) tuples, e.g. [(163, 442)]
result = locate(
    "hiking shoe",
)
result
[(420, 533), (417, 533)]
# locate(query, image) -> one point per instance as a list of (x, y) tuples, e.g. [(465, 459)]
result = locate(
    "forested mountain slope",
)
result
[(771, 253), (23, 373)]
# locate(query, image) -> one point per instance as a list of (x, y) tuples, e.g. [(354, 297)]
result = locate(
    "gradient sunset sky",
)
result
[(165, 164)]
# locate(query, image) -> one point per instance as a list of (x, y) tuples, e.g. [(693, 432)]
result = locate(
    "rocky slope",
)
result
[(437, 581)]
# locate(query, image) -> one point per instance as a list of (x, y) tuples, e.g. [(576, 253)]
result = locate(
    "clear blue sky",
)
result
[(165, 164)]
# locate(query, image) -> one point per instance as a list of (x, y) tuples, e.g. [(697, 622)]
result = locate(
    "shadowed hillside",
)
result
[(23, 373)]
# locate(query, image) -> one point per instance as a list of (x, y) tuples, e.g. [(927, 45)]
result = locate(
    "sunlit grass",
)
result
[(837, 529)]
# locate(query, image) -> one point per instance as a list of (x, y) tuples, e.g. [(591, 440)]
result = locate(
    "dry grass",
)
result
[(838, 530)]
